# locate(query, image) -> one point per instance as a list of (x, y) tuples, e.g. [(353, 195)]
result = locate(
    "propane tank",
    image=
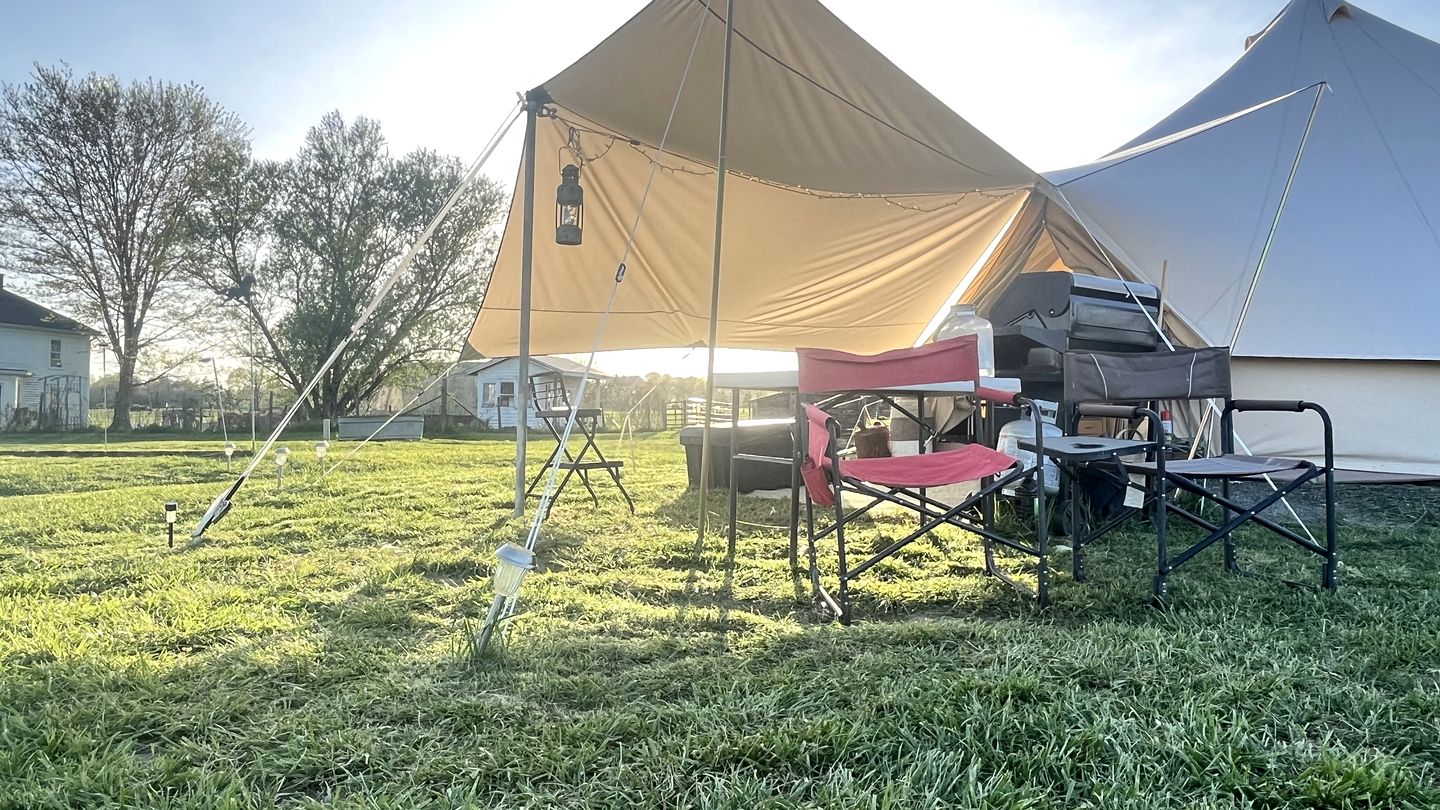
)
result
[(1023, 429)]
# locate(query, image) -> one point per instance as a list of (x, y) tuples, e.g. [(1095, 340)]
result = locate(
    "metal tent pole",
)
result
[(705, 449), (534, 100), (254, 388)]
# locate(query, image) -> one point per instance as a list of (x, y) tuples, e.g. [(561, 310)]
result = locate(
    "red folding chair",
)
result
[(902, 480)]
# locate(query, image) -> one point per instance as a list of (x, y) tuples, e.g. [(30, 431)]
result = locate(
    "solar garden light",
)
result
[(172, 513), (513, 562), (229, 452), (282, 457), (569, 207), (321, 448)]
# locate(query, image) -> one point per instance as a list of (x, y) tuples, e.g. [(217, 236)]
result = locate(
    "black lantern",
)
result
[(569, 206)]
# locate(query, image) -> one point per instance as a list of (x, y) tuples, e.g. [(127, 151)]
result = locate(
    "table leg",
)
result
[(796, 456), (920, 434), (734, 485)]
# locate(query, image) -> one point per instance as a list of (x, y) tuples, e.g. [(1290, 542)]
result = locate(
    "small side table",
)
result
[(1069, 454)]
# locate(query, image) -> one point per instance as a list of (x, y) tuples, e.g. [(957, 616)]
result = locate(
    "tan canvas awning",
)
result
[(856, 201)]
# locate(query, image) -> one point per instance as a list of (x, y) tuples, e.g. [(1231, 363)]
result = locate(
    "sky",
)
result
[(1057, 83)]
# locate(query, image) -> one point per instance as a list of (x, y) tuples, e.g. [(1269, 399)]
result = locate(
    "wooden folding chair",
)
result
[(552, 404)]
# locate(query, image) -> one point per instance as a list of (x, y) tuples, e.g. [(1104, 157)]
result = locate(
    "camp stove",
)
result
[(1040, 316)]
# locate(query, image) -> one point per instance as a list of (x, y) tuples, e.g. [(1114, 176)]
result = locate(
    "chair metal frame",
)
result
[(975, 514), (830, 373), (551, 400)]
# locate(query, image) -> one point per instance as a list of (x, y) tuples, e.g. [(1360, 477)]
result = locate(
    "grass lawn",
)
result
[(314, 651)]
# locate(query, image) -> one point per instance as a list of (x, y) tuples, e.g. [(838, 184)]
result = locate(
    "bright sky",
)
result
[(1055, 83)]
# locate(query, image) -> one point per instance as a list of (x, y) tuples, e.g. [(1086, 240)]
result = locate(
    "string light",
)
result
[(573, 130)]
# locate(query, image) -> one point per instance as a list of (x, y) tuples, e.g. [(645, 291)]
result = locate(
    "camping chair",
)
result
[(1095, 384), (902, 480), (552, 404)]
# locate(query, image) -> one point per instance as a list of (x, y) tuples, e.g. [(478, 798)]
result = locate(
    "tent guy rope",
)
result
[(399, 411), (1320, 88), (222, 503), (548, 494)]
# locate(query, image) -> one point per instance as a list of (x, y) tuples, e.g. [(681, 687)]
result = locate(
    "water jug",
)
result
[(964, 320)]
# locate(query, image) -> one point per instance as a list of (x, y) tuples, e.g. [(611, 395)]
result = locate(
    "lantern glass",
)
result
[(171, 512), (513, 563), (321, 448), (229, 449), (569, 207), (282, 456)]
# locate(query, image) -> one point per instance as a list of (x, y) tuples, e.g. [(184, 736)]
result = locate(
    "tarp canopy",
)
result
[(856, 201)]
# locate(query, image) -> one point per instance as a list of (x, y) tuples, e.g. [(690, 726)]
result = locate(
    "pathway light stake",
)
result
[(282, 457), (321, 448), (172, 513), (569, 207), (513, 562), (229, 452)]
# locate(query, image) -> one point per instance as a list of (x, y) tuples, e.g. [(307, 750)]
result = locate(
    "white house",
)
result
[(495, 388), (44, 366)]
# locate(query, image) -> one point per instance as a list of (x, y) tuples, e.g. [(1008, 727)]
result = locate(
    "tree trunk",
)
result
[(124, 392)]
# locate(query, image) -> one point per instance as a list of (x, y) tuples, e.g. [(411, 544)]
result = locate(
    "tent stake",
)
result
[(534, 100), (715, 272)]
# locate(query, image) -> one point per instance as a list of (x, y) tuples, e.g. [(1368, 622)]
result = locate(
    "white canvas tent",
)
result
[(1343, 311)]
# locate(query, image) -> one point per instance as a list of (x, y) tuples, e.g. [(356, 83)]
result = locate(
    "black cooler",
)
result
[(762, 437)]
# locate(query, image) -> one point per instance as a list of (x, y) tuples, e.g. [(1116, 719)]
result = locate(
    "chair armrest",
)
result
[(1110, 411), (996, 395), (1227, 426), (1288, 405)]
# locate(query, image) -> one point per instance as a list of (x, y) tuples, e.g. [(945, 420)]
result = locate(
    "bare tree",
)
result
[(341, 214), (96, 180)]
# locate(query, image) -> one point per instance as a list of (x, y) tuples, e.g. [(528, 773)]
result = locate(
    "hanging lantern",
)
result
[(569, 207)]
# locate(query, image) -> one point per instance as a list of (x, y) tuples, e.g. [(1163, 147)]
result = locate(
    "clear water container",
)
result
[(964, 320)]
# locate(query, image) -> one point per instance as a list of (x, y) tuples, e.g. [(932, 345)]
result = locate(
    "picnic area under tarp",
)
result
[(860, 207)]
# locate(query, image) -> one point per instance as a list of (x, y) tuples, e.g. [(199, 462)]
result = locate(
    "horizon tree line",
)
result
[(140, 207)]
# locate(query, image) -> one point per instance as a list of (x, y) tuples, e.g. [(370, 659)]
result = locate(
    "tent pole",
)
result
[(534, 100), (1279, 211), (705, 449)]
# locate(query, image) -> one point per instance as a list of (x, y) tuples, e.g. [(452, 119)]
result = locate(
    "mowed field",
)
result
[(315, 650)]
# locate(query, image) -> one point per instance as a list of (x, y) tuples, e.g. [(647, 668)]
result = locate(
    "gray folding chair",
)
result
[(1129, 386)]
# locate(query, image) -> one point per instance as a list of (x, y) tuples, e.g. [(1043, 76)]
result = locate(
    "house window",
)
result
[(488, 395), (55, 360), (507, 394)]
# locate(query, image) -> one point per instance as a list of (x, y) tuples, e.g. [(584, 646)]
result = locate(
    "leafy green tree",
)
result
[(337, 219), (96, 182)]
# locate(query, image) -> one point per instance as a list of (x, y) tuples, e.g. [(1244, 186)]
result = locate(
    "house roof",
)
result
[(19, 311), (560, 365)]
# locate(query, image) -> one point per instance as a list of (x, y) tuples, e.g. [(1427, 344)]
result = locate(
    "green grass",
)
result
[(314, 650)]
